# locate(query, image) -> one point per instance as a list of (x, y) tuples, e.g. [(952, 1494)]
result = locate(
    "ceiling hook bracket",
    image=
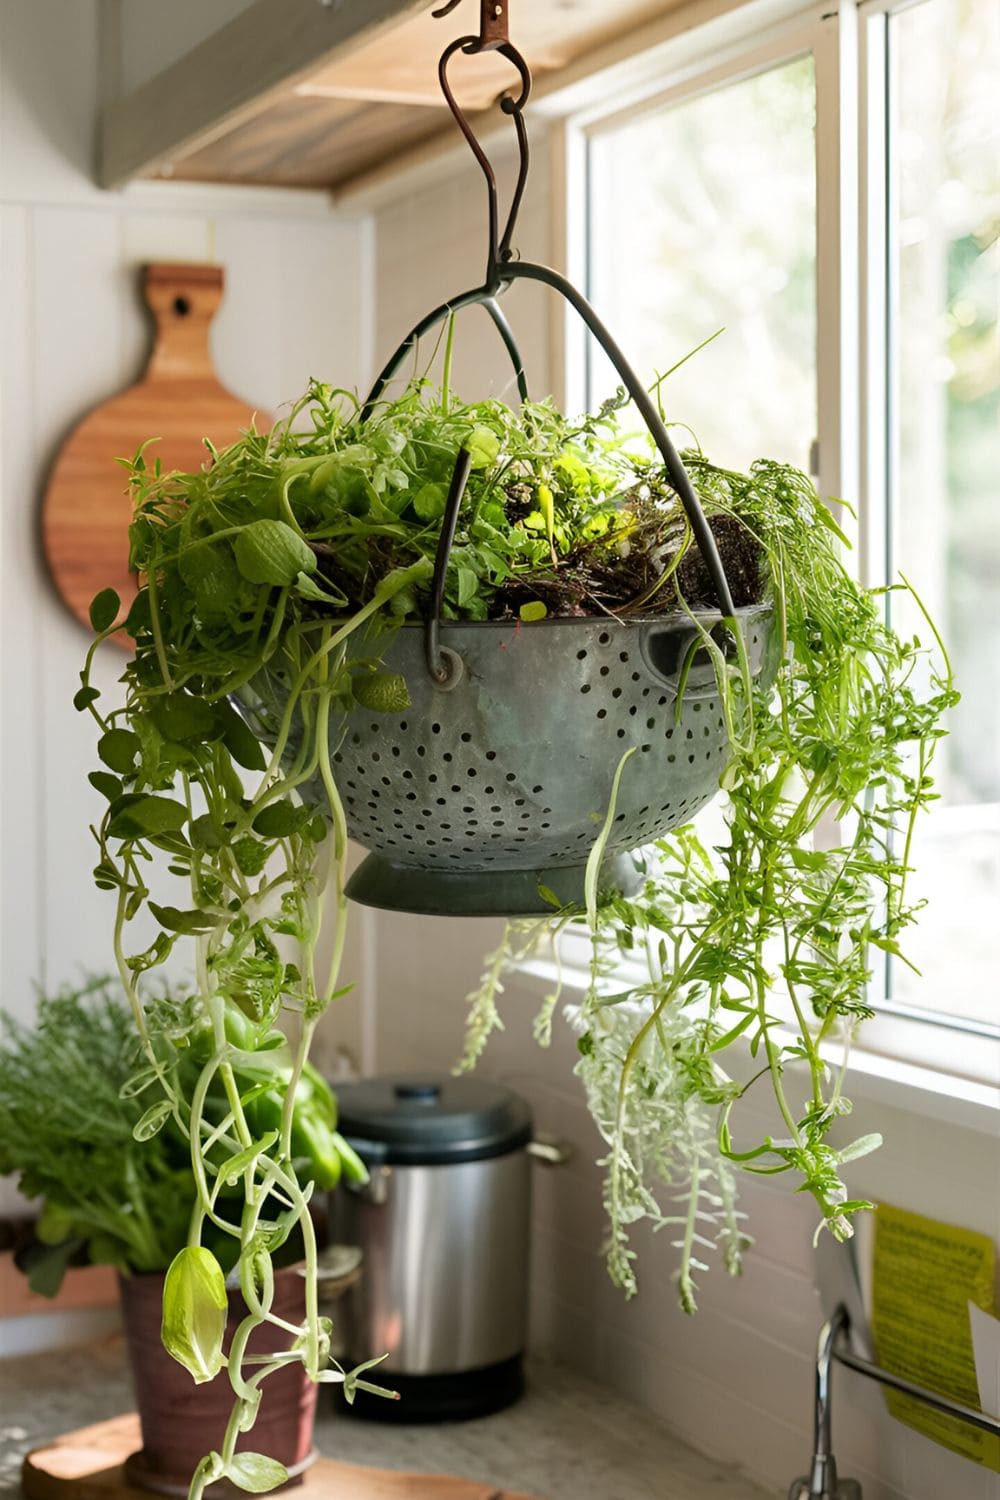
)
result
[(493, 24)]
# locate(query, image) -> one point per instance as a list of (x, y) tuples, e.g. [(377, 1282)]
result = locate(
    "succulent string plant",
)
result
[(307, 547)]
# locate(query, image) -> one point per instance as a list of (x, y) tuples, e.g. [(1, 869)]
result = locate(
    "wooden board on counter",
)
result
[(89, 1465)]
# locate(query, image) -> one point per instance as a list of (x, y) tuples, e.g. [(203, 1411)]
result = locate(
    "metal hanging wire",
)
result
[(503, 269)]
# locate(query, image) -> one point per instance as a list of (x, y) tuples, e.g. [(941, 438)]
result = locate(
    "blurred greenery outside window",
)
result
[(702, 215)]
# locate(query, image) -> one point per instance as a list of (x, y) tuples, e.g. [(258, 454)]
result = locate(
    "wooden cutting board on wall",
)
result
[(179, 401)]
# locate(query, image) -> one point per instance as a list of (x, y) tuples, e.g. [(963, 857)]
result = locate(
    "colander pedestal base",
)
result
[(390, 886)]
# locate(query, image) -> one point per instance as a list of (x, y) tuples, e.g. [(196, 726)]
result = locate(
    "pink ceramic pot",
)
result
[(182, 1421)]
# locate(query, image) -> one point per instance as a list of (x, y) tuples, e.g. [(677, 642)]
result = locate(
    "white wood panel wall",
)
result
[(74, 333), (736, 1380)]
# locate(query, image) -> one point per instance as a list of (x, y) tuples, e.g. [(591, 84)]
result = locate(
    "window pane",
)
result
[(703, 217), (945, 211)]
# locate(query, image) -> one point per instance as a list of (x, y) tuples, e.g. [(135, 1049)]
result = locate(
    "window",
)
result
[(702, 213), (719, 196), (943, 200)]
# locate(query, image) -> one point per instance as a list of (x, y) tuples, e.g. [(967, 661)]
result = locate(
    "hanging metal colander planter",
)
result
[(489, 791), (478, 796)]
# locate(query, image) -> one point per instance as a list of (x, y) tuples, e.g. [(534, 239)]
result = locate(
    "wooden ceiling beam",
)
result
[(231, 77)]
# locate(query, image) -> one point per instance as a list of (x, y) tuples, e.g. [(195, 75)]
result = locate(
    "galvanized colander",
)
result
[(478, 795)]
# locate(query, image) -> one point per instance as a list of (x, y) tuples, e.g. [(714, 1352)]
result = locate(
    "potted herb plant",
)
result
[(75, 1125), (302, 575)]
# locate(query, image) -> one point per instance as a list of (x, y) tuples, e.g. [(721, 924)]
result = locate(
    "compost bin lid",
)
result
[(432, 1119)]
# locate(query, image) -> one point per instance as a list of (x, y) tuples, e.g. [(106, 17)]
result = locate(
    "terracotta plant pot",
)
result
[(182, 1421)]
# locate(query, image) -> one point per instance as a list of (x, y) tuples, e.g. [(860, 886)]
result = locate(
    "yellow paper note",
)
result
[(925, 1275)]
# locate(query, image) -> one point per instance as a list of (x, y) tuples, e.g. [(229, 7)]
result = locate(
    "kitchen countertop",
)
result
[(569, 1439)]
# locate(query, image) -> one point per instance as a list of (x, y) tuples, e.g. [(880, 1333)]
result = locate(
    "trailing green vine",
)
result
[(752, 955)]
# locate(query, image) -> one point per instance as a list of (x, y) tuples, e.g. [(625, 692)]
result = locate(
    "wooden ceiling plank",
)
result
[(231, 77)]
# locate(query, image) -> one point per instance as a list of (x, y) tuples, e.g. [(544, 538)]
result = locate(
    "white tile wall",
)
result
[(735, 1380)]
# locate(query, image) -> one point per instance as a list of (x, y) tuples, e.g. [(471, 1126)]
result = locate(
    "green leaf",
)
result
[(483, 447), (211, 574), (467, 584), (84, 697), (104, 610), (307, 589), (233, 1167), (250, 855), (239, 739), (180, 717), (863, 1146), (194, 1312), (152, 1121), (135, 816), (429, 501), (137, 621), (49, 1266), (182, 921), (109, 786), (118, 749), (382, 692), (279, 820), (533, 610), (255, 1473), (271, 552)]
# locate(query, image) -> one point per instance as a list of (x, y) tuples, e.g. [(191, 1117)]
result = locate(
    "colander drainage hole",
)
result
[(421, 751), (581, 656), (441, 801), (585, 688), (510, 776), (602, 713), (448, 756), (604, 638), (605, 671), (536, 788), (465, 737), (435, 729), (491, 755)]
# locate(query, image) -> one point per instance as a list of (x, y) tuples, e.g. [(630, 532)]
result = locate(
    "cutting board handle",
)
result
[(183, 300)]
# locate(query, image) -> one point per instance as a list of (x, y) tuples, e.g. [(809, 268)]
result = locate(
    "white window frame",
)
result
[(848, 44)]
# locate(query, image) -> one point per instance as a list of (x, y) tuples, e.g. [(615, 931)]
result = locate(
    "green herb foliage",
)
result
[(764, 945), (88, 1129)]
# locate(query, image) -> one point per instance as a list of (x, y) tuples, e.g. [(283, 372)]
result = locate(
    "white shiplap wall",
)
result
[(736, 1380), (74, 333)]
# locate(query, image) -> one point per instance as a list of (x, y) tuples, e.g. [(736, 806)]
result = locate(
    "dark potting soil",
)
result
[(594, 584)]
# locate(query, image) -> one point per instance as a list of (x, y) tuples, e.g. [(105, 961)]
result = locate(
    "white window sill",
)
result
[(874, 1077)]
